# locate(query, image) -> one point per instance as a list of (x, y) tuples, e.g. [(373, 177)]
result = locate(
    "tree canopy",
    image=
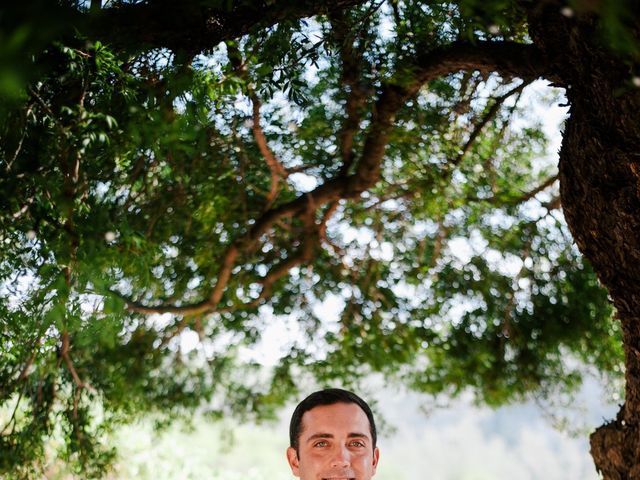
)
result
[(194, 169)]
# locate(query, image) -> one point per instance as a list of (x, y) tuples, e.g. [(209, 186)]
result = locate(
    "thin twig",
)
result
[(12, 420), (529, 195), (64, 353), (522, 198), (24, 208), (489, 115), (47, 110), (20, 142)]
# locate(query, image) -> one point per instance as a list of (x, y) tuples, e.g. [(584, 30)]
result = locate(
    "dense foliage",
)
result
[(150, 195)]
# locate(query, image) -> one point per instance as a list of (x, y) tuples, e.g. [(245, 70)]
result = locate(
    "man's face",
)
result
[(335, 444)]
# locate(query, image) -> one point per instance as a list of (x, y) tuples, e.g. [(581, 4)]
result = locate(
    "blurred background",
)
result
[(419, 438)]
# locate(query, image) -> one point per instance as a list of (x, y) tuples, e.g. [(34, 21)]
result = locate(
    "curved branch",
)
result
[(278, 171), (274, 164), (509, 59), (206, 306), (304, 254), (64, 353)]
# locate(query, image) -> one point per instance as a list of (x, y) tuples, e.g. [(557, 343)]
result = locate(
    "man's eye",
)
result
[(357, 443), (321, 443)]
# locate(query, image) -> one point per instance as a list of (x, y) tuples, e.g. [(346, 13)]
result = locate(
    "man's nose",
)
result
[(341, 458)]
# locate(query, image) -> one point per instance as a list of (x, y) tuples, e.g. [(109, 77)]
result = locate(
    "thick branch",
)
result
[(509, 59), (506, 58), (368, 169), (193, 26)]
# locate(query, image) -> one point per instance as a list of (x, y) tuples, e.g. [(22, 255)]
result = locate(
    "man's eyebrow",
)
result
[(316, 436)]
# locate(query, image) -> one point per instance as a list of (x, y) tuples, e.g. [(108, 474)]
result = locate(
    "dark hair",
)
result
[(328, 396)]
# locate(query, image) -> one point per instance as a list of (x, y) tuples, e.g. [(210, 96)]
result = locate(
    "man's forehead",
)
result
[(341, 417)]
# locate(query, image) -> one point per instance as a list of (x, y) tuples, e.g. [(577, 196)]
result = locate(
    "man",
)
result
[(332, 436)]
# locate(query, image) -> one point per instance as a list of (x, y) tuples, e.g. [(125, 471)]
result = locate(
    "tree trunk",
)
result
[(600, 190)]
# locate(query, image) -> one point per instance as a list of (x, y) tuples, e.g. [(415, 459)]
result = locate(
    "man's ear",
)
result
[(376, 457), (292, 458)]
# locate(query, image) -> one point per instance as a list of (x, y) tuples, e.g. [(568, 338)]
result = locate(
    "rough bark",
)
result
[(600, 189)]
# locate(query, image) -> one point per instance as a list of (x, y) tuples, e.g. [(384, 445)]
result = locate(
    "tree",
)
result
[(153, 161)]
